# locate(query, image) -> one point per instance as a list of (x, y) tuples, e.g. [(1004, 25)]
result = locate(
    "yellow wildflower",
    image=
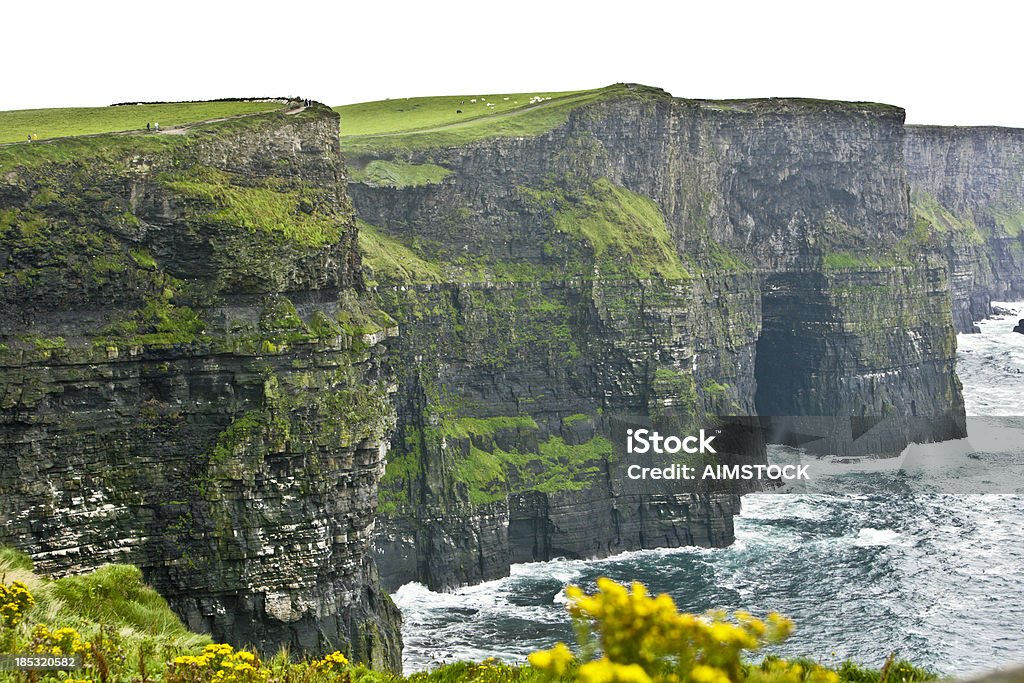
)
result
[(556, 660), (606, 671), (645, 638), (15, 600), (708, 674), (335, 661)]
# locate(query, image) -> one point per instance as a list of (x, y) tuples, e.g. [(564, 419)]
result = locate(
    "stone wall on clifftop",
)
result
[(193, 381)]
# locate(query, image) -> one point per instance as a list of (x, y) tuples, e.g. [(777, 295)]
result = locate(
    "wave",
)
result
[(876, 537), (878, 550)]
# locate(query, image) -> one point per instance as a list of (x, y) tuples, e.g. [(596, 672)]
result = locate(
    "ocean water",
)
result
[(921, 555)]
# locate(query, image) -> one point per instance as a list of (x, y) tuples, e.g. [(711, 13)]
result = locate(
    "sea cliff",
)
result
[(260, 363), (638, 257), (967, 184)]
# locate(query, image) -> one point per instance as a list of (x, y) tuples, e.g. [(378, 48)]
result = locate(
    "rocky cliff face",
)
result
[(510, 396), (192, 381), (967, 184), (196, 379), (652, 260)]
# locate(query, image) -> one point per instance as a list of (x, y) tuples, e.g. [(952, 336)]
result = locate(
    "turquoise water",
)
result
[(911, 555)]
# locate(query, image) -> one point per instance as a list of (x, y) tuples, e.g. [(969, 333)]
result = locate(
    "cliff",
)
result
[(213, 370), (192, 380), (967, 184), (623, 257)]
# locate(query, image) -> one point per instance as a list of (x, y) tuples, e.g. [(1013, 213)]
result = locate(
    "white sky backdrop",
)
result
[(946, 64)]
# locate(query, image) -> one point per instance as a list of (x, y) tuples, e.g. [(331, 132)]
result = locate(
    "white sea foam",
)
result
[(560, 569), (871, 551), (991, 364), (874, 537)]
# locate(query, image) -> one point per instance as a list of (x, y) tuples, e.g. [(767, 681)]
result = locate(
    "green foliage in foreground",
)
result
[(126, 633), (492, 671), (130, 625), (16, 126)]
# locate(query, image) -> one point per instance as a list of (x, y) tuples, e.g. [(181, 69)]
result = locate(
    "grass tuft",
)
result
[(382, 173), (391, 261), (111, 607)]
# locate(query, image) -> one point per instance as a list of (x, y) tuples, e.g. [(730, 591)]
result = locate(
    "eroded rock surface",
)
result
[(192, 379)]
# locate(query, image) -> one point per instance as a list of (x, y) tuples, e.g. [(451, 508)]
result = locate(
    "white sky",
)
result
[(954, 65)]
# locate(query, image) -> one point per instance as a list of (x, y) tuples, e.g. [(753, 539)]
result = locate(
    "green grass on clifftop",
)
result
[(410, 114), (16, 126), (426, 122)]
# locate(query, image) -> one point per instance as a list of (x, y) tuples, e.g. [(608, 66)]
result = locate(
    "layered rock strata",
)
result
[(192, 379), (968, 184), (196, 378), (641, 258)]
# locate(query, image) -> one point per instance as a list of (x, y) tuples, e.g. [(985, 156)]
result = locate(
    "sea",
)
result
[(921, 555)]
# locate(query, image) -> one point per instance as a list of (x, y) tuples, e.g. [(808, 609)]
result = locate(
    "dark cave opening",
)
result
[(792, 347)]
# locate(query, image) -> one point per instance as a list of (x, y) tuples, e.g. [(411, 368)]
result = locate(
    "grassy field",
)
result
[(414, 113), (421, 122), (399, 174), (16, 126)]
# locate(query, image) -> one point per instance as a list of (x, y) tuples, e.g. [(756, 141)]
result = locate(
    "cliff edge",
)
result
[(215, 370), (192, 380)]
